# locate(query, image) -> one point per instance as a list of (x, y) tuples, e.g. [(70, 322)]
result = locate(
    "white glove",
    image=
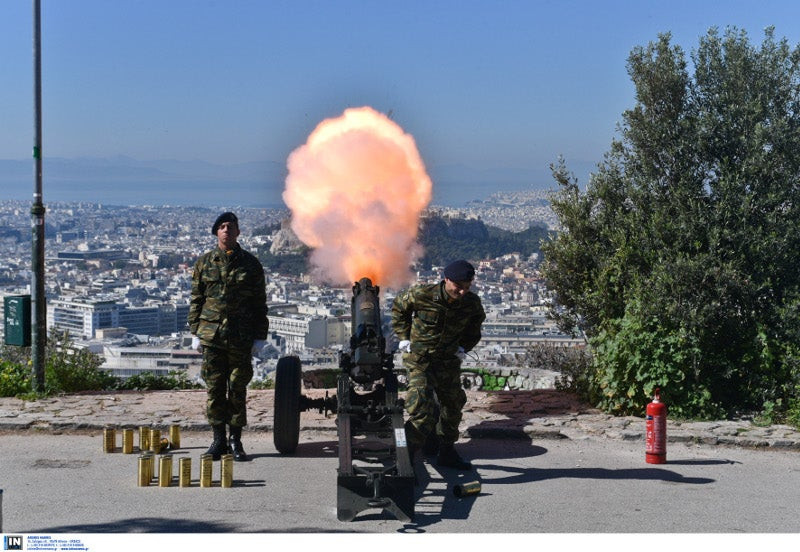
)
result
[(196, 344), (461, 354), (258, 344), (404, 346)]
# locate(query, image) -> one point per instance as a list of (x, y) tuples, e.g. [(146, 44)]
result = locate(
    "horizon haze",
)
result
[(157, 102)]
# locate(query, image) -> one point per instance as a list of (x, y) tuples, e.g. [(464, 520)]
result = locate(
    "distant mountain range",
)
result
[(126, 181)]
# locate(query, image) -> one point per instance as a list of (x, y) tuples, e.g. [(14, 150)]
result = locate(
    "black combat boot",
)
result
[(449, 458), (236, 447), (431, 446), (219, 446)]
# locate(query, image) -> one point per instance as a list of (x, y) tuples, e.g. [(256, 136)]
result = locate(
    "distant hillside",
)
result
[(446, 239)]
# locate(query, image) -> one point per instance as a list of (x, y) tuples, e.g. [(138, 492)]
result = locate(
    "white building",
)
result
[(124, 362), (309, 332), (82, 317)]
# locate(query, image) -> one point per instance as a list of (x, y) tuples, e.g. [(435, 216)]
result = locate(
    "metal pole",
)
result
[(39, 327)]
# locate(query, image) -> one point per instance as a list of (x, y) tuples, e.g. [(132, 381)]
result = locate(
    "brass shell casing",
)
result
[(226, 471), (468, 488), (206, 466), (127, 441), (185, 472), (165, 470), (109, 439), (175, 436)]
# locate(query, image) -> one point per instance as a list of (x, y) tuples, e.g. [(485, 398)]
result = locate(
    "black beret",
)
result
[(459, 271), (224, 217)]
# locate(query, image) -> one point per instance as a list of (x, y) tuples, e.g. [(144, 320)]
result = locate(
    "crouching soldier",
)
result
[(437, 324)]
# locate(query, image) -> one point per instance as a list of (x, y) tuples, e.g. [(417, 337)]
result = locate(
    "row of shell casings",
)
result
[(150, 439), (147, 470)]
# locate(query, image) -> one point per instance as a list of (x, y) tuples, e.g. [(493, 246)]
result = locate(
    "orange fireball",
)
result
[(356, 190)]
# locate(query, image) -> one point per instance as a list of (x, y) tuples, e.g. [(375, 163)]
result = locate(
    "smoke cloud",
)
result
[(356, 190)]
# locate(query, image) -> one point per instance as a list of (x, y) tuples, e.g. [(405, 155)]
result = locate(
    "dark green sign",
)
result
[(17, 310)]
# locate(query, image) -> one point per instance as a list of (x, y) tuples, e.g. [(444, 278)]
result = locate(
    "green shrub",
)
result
[(573, 363), (793, 413), (71, 371), (66, 369), (15, 378), (148, 381), (636, 357), (266, 383)]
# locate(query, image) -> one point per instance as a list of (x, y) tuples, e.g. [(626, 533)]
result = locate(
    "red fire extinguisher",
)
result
[(656, 436)]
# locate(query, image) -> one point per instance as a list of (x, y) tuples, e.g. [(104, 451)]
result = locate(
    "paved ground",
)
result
[(536, 414), (56, 484), (547, 463)]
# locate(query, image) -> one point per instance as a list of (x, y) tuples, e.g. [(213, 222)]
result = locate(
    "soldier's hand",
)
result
[(404, 346), (461, 354), (196, 344)]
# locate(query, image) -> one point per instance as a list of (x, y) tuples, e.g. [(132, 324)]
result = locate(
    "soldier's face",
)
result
[(456, 290), (227, 234)]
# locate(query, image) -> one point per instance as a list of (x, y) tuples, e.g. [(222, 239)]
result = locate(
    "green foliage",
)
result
[(526, 243), (491, 382), (266, 383), (149, 381), (679, 259), (66, 369), (771, 414), (69, 370), (574, 365), (793, 410), (637, 357), (15, 378)]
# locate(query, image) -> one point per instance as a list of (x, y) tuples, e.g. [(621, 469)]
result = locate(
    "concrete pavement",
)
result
[(546, 463), (57, 484)]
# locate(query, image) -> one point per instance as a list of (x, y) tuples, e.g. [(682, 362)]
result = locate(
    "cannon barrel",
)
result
[(367, 358)]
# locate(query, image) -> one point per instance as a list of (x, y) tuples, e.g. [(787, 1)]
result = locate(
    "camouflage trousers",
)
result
[(226, 373), (426, 376)]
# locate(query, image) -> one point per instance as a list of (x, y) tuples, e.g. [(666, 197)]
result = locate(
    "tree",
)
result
[(679, 259)]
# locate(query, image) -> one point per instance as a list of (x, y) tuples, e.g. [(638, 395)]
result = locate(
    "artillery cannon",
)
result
[(375, 469)]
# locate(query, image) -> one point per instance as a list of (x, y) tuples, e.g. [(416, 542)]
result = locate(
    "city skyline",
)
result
[(207, 97), (126, 297)]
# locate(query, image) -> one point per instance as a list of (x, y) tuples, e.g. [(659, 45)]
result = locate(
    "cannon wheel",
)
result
[(287, 404)]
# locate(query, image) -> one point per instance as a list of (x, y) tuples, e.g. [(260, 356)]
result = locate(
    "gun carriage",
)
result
[(375, 469)]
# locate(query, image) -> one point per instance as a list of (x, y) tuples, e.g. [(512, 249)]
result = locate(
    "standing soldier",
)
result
[(228, 321), (437, 324)]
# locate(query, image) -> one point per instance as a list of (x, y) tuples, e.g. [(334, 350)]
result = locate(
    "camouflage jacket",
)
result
[(423, 315), (228, 306)]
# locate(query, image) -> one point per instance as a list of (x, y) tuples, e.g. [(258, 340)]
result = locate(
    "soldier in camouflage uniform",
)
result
[(228, 321), (437, 324)]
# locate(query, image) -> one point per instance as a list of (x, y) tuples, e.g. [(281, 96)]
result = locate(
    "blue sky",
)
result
[(488, 85)]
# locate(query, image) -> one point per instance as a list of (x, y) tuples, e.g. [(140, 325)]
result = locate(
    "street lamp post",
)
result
[(39, 327)]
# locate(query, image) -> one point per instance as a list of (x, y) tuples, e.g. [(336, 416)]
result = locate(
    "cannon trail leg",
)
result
[(383, 477)]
